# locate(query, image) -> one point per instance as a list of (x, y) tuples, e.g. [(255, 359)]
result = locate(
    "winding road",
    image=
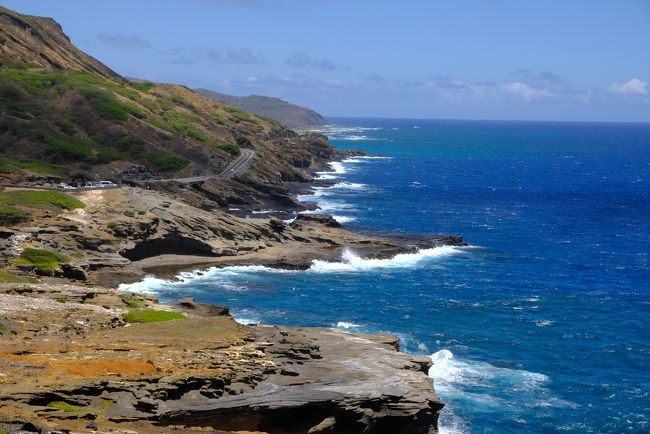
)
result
[(239, 165)]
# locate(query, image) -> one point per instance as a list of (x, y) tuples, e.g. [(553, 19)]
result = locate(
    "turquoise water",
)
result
[(541, 325)]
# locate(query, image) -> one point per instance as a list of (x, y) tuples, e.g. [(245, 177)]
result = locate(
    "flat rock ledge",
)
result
[(70, 363)]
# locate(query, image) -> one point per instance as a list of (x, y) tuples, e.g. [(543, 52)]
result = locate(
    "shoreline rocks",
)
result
[(70, 362)]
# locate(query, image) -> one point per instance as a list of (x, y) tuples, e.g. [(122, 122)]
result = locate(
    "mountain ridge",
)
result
[(288, 114), (40, 41)]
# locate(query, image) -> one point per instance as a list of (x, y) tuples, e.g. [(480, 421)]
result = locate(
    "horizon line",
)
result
[(328, 117)]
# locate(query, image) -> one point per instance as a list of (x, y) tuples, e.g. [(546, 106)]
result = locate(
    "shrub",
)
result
[(7, 166), (130, 214), (40, 199), (4, 331), (12, 278), (106, 105), (11, 216), (134, 110), (43, 168), (105, 404), (134, 146), (132, 301), (231, 148), (64, 406), (271, 121), (33, 82), (239, 115), (42, 260), (197, 134), (65, 149), (151, 104), (142, 86), (164, 103), (183, 101), (164, 162), (219, 119), (151, 315), (112, 224), (179, 122)]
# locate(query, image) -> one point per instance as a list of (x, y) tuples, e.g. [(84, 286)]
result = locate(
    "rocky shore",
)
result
[(70, 362), (77, 356)]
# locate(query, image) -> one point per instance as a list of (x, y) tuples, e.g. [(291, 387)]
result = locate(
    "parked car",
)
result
[(107, 184)]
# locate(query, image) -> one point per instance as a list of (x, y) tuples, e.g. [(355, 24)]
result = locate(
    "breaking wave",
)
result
[(354, 263)]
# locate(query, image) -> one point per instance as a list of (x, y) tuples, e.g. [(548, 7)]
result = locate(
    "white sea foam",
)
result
[(149, 284), (152, 284), (450, 372), (347, 325), (355, 138), (458, 379), (543, 323), (265, 211), (325, 206), (365, 159), (337, 167), (333, 130), (344, 218), (354, 263), (347, 186), (246, 321)]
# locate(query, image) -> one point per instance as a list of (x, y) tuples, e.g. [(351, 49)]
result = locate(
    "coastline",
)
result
[(295, 246)]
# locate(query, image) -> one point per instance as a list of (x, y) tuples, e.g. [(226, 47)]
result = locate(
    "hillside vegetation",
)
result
[(65, 115), (271, 109), (62, 117)]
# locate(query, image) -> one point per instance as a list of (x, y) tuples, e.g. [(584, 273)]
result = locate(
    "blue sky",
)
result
[(466, 59)]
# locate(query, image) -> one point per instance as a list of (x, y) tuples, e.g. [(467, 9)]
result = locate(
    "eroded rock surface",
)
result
[(69, 362)]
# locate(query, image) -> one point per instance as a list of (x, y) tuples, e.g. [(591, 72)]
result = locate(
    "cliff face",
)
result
[(290, 115), (39, 41)]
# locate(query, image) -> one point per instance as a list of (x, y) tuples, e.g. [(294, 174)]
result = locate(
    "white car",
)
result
[(106, 184)]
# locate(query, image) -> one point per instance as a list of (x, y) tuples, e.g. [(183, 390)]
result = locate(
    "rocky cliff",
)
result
[(39, 41)]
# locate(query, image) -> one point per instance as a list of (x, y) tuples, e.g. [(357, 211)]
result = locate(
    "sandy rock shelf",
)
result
[(68, 361)]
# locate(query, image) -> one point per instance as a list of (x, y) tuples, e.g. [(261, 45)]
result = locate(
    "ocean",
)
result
[(541, 324)]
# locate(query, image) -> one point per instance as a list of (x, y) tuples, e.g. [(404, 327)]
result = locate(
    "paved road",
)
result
[(235, 168), (240, 164)]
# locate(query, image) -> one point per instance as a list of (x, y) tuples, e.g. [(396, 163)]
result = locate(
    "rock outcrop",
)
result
[(123, 233), (21, 34), (70, 362)]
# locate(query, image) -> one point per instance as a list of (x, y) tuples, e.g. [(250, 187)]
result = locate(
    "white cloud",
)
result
[(525, 91), (632, 87), (127, 42)]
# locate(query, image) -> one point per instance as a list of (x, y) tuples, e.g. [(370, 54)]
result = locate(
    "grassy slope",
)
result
[(58, 122)]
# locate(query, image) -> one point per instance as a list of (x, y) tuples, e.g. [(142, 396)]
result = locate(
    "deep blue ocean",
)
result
[(542, 324)]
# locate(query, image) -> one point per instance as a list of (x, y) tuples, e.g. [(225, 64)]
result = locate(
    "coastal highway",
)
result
[(239, 165)]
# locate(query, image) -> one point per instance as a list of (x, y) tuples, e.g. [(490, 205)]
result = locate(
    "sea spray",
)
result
[(351, 262)]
